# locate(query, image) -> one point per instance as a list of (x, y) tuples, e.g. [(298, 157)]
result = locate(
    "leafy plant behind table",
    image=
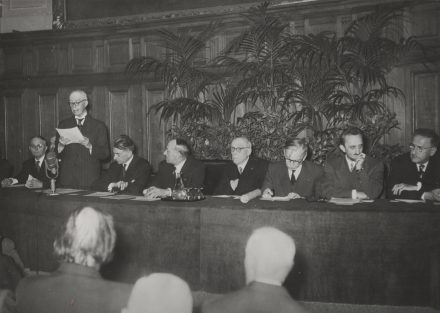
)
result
[(314, 85)]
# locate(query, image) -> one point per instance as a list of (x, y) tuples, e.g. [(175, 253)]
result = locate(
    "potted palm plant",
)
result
[(291, 84)]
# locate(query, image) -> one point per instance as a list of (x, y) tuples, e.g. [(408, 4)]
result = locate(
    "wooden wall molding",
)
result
[(39, 69)]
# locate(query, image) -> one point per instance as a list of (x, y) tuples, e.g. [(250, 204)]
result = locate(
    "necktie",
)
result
[(292, 178), (124, 170), (37, 165), (421, 170), (352, 165), (79, 122), (240, 170)]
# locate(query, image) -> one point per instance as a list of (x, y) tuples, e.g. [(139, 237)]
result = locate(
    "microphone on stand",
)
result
[(52, 168)]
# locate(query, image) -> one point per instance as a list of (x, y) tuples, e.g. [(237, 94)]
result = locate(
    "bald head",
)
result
[(269, 255), (160, 293)]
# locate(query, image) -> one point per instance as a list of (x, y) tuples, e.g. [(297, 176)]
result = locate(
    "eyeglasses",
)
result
[(75, 103), (238, 149), (36, 147), (417, 148), (294, 161)]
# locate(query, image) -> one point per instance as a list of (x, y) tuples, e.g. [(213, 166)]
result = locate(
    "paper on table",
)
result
[(141, 198), (222, 196), (14, 185), (120, 197), (286, 198), (344, 201), (409, 200), (73, 134), (100, 194), (67, 190)]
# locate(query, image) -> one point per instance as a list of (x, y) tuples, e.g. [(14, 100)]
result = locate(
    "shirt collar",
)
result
[(128, 162), (81, 116), (243, 164), (40, 159), (349, 161), (296, 172), (425, 165), (179, 166)]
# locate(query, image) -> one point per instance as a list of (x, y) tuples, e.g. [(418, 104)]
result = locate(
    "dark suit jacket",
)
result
[(29, 167), (72, 288), (403, 170), (255, 298), (252, 177), (277, 179), (137, 176), (192, 173), (6, 169), (78, 167), (339, 181)]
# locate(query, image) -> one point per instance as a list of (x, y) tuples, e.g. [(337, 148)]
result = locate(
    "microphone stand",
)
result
[(52, 174)]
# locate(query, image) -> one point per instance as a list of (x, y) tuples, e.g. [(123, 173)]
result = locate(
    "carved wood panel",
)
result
[(83, 57), (48, 116), (426, 105), (156, 130), (14, 142), (47, 59)]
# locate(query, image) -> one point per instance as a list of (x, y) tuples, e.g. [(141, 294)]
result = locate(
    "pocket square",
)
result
[(233, 183)]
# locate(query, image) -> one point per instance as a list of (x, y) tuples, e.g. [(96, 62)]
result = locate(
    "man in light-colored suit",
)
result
[(295, 177), (268, 260)]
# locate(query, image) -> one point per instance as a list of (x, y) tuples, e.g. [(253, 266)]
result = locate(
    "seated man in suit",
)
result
[(245, 175), (33, 171), (178, 164), (159, 293), (269, 257), (86, 242), (352, 174), (128, 173), (416, 174), (295, 177)]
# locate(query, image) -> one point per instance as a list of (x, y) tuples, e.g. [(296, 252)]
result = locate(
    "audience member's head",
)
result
[(78, 102), (123, 149), (88, 238), (295, 152), (241, 149), (351, 143), (160, 293), (269, 256), (177, 151), (424, 145), (37, 146)]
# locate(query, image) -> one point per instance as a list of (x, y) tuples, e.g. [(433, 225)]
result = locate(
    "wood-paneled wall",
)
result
[(39, 69)]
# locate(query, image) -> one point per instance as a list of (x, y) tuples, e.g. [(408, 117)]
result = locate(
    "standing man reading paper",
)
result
[(80, 162)]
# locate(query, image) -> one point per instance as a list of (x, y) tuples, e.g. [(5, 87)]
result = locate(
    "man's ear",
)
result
[(342, 147), (433, 151)]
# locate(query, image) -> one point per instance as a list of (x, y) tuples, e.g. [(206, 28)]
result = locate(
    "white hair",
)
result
[(270, 255), (88, 238), (160, 293)]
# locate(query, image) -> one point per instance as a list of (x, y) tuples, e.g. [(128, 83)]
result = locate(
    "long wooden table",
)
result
[(368, 253)]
